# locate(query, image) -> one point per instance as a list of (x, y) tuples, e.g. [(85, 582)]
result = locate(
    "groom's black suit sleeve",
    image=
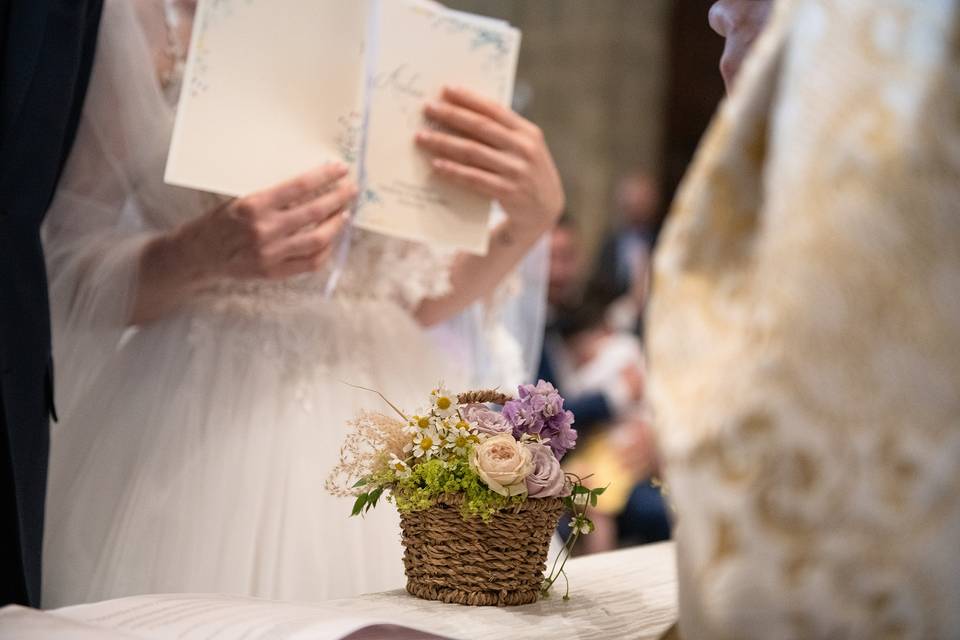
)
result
[(47, 49)]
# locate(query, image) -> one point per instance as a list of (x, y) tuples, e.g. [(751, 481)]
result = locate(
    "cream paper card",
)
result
[(268, 92), (274, 88)]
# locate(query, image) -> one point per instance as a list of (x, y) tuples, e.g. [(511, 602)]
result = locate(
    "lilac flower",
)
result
[(543, 398), (539, 411), (522, 418), (561, 434)]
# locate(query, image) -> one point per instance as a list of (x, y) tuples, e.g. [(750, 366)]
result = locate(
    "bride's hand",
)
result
[(492, 151), (277, 233)]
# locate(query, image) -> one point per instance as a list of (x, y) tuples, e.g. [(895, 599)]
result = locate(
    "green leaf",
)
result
[(578, 489), (358, 505), (361, 482), (599, 492), (373, 497), (593, 499)]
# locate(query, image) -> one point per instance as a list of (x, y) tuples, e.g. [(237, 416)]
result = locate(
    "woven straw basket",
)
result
[(499, 562)]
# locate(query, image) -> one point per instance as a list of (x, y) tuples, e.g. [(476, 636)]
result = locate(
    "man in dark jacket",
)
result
[(47, 51)]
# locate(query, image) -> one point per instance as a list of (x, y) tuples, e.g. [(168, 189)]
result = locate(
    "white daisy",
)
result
[(444, 402), (443, 426), (401, 468), (421, 420), (460, 437), (426, 444)]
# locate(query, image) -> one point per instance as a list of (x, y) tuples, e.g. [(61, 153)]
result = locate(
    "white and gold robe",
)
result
[(804, 334)]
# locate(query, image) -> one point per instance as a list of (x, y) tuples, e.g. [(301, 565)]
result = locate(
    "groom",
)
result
[(47, 50)]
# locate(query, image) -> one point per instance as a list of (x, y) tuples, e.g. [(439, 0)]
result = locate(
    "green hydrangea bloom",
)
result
[(430, 481)]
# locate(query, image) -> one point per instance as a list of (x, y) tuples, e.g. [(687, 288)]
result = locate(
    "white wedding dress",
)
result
[(192, 452)]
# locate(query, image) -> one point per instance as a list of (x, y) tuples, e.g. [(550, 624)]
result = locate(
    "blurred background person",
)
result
[(600, 371), (594, 360), (626, 312), (568, 315), (628, 245), (566, 265)]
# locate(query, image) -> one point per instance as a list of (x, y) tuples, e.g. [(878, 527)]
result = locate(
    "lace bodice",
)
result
[(377, 269)]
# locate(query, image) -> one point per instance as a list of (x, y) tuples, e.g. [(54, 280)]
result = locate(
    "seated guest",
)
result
[(626, 312), (564, 292), (594, 359), (630, 242), (804, 331)]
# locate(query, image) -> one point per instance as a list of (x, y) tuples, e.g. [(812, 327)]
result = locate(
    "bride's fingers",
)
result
[(477, 180), (471, 153), (299, 188), (472, 124), (316, 211), (475, 102), (296, 266), (307, 243)]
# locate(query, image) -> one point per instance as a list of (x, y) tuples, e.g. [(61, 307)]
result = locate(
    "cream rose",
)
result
[(502, 463)]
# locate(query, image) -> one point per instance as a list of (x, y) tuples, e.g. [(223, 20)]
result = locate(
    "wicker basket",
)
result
[(499, 562)]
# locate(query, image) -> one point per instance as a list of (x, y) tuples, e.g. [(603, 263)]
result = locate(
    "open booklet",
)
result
[(274, 88), (197, 617)]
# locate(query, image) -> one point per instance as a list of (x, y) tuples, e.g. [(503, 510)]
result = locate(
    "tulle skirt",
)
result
[(196, 461)]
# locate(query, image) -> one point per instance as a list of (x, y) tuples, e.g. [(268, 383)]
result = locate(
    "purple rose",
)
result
[(547, 479), (539, 411), (485, 420)]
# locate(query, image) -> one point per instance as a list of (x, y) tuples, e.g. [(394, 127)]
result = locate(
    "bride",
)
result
[(201, 366)]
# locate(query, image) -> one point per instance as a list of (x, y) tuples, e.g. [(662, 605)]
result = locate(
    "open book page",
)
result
[(198, 617), (24, 623), (631, 593), (272, 88), (420, 47)]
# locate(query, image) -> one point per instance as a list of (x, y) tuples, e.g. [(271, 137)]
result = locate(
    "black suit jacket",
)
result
[(48, 49)]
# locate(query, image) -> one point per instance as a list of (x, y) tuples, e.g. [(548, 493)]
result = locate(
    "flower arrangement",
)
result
[(492, 469)]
